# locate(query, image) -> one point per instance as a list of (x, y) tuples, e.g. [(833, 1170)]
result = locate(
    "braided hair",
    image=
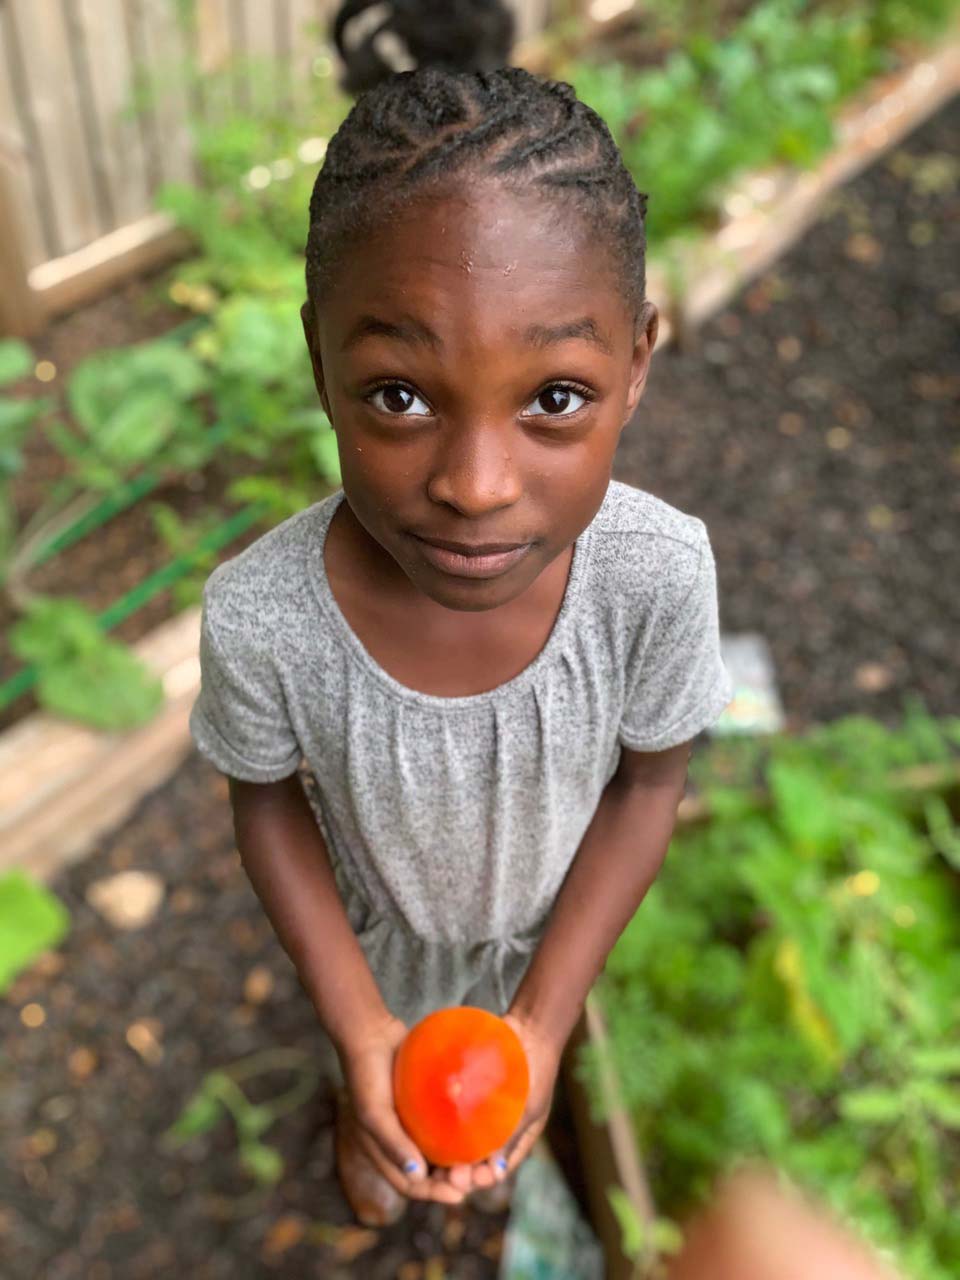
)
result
[(378, 37), (425, 128)]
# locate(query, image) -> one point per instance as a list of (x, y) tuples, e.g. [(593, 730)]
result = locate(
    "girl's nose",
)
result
[(474, 471)]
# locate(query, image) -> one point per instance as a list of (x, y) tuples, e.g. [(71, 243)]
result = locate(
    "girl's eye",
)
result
[(558, 400), (395, 398)]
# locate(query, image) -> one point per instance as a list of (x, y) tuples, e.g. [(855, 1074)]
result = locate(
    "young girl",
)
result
[(491, 658)]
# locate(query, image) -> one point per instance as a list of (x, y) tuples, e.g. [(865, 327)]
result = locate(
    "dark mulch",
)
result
[(839, 546), (814, 428), (132, 1023)]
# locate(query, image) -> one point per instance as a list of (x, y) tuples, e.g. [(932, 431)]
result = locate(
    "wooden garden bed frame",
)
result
[(63, 786)]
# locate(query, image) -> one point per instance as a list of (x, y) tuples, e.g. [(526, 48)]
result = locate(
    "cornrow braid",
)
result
[(426, 127)]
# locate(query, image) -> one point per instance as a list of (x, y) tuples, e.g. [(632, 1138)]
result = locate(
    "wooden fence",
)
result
[(79, 169)]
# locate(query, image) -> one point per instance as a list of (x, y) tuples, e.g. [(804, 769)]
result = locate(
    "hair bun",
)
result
[(378, 38)]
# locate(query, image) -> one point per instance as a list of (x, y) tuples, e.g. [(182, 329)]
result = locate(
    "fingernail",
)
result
[(413, 1168), (501, 1164)]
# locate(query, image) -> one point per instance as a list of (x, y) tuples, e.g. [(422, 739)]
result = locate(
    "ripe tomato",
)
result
[(460, 1084)]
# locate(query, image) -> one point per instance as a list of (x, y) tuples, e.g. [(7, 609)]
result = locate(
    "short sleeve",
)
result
[(682, 685), (239, 720)]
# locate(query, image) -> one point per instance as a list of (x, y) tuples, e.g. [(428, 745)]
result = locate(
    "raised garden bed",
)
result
[(743, 244)]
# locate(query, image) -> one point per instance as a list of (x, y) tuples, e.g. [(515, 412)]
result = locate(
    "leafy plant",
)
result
[(183, 537), (764, 93), (17, 416), (83, 675), (220, 1094), (790, 987)]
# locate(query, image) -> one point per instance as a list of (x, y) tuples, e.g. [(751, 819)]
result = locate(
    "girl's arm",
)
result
[(618, 859), (285, 856)]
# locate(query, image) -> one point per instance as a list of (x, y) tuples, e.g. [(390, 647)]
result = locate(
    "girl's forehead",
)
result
[(460, 245)]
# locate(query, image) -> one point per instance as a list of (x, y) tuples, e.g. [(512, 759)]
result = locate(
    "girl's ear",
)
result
[(647, 328), (313, 346)]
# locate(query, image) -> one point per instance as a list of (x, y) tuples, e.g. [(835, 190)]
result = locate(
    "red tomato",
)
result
[(460, 1084)]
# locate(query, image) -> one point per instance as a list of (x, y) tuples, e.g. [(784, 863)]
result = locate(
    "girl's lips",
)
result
[(460, 565)]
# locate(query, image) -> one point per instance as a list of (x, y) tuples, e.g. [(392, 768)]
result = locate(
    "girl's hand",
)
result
[(543, 1057), (368, 1074)]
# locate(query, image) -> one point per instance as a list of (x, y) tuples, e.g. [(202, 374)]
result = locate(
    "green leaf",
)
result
[(281, 498), (108, 688), (16, 361), (32, 920), (101, 386), (254, 1120), (17, 415), (936, 1060), (944, 835), (872, 1106), (55, 629), (263, 1163), (806, 806), (201, 1114), (940, 1100), (633, 1232), (136, 428)]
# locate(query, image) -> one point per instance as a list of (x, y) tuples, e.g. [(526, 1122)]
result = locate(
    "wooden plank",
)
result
[(67, 282), (22, 314), (772, 208), (610, 1154), (64, 785)]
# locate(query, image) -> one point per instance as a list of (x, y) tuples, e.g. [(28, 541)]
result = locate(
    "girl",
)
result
[(491, 657)]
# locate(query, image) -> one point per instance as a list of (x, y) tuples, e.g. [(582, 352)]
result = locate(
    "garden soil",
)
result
[(814, 429)]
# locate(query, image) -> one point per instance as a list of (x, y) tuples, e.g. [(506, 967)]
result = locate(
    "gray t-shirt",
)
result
[(458, 817)]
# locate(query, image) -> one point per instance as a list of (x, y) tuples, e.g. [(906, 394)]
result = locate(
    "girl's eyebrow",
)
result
[(414, 332), (539, 335), (405, 328)]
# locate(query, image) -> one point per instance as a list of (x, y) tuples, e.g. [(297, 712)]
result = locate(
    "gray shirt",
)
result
[(458, 817)]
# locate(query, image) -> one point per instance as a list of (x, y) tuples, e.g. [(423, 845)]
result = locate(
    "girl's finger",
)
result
[(461, 1176), (387, 1132), (424, 1188)]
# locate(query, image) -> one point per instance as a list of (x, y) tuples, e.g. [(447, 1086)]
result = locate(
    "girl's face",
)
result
[(478, 362)]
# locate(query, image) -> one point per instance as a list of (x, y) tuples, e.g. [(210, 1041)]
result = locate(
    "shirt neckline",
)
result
[(361, 655)]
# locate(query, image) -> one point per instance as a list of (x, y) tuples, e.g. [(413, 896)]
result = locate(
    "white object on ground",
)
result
[(127, 900), (756, 705)]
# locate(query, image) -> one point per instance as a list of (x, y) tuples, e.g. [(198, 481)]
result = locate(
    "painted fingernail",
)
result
[(411, 1167), (501, 1164)]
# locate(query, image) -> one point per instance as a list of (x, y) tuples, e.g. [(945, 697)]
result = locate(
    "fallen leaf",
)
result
[(143, 1038), (492, 1247), (352, 1241), (258, 985), (789, 348), (862, 247), (82, 1063), (873, 677), (453, 1230), (283, 1235)]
